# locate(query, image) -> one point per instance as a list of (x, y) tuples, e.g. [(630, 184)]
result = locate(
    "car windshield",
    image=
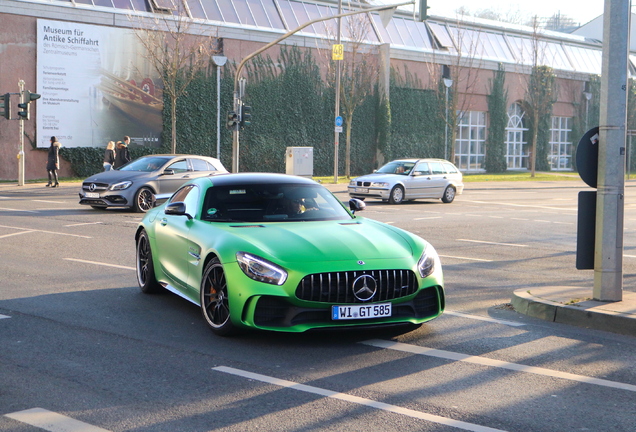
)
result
[(146, 164), (272, 203), (396, 167)]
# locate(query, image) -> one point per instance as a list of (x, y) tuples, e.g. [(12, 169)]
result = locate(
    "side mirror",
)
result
[(168, 172), (177, 209), (356, 205)]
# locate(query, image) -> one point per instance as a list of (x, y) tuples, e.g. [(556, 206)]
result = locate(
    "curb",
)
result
[(581, 316)]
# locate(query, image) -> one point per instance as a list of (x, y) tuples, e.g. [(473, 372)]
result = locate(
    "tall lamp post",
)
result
[(447, 83), (219, 61), (337, 108), (235, 130)]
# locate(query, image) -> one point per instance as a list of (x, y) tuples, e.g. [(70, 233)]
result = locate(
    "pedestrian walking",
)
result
[(109, 156), (122, 156), (53, 162)]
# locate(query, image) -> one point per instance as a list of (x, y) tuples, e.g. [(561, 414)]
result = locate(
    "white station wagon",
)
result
[(409, 179)]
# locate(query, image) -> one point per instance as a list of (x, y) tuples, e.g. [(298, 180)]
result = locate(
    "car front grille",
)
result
[(361, 183), (278, 312), (99, 187), (337, 287)]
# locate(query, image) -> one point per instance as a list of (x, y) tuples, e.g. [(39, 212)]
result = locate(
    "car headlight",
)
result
[(353, 182), (121, 185), (260, 269), (426, 265), (379, 184)]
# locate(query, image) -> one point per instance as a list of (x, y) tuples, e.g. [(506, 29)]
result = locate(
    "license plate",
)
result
[(362, 190), (92, 195), (351, 312)]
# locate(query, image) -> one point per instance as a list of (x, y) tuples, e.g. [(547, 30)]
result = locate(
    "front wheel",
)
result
[(449, 194), (144, 200), (397, 195), (145, 268), (214, 299)]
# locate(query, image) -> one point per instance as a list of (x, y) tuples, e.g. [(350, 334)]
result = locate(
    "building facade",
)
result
[(80, 55)]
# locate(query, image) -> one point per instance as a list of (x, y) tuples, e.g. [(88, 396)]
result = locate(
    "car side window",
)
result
[(181, 194), (200, 165), (189, 196), (421, 169), (437, 168), (179, 166), (450, 168)]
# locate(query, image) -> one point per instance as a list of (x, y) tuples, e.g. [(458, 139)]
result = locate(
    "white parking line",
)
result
[(430, 217), (492, 243), (15, 234), (465, 258), (482, 318), (44, 231), (484, 361), (4, 316), (85, 223), (52, 422), (100, 264), (524, 205), (16, 210), (357, 400)]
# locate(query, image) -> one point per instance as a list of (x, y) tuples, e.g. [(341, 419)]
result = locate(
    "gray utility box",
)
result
[(299, 161)]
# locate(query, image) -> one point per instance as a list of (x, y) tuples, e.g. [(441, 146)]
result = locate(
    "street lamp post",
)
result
[(337, 109), (218, 61), (239, 68), (447, 83)]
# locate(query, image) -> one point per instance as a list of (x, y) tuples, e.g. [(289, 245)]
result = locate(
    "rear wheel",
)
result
[(145, 268), (449, 194), (397, 195), (144, 200), (214, 299)]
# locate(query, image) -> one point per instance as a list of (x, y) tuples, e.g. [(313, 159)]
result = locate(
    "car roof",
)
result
[(258, 178), (422, 160)]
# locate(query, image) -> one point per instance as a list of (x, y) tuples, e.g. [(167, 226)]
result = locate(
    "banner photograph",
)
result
[(96, 87)]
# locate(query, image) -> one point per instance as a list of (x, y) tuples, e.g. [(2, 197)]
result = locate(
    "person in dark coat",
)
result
[(122, 156), (53, 162), (109, 156)]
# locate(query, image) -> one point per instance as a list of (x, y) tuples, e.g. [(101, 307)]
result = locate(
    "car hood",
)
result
[(114, 176), (359, 239), (381, 177)]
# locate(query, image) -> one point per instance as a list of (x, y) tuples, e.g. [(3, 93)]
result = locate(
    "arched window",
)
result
[(517, 148)]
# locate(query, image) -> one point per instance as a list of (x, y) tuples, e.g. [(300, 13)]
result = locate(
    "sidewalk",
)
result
[(574, 306)]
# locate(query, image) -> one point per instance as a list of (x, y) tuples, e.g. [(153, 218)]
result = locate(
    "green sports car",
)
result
[(279, 252)]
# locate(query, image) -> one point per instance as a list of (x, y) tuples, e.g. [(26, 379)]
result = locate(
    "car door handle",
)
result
[(164, 222)]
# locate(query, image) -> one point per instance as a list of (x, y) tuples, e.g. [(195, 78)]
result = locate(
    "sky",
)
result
[(581, 11)]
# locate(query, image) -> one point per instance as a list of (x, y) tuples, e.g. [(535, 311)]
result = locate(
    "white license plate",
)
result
[(362, 190), (352, 312), (92, 195)]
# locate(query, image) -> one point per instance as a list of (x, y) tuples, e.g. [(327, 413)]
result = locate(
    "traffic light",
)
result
[(5, 106), (28, 97), (232, 120), (246, 116), (423, 10)]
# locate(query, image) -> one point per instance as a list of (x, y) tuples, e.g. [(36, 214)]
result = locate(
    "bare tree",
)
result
[(176, 48), (463, 69), (541, 91), (359, 73)]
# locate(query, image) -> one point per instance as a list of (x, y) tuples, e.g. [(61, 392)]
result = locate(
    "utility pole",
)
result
[(608, 258), (21, 165)]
